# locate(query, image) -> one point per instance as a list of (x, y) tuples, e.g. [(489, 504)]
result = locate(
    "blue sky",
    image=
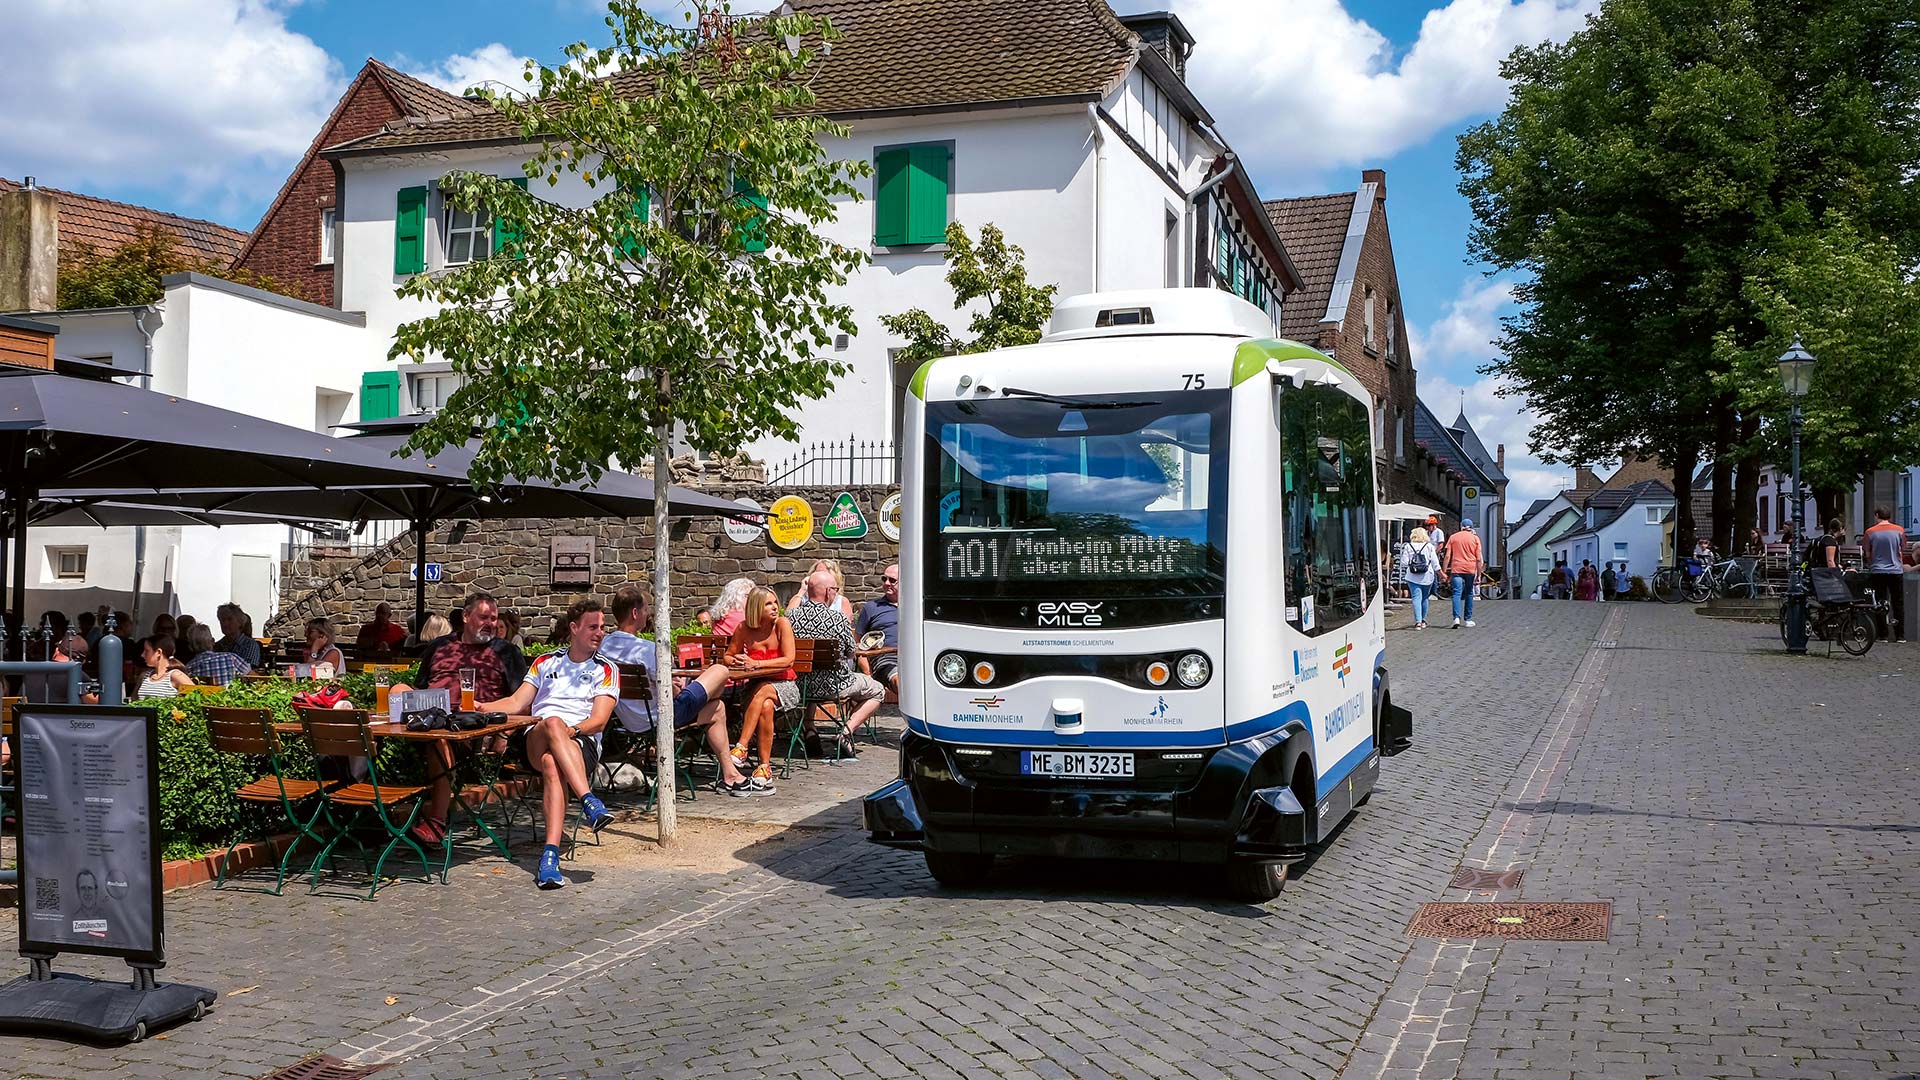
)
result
[(201, 107)]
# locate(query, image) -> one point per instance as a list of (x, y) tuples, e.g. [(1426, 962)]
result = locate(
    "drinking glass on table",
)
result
[(467, 679), (382, 691)]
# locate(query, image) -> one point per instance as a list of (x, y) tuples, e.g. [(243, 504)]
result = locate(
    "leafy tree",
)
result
[(130, 274), (683, 298), (1848, 297), (995, 271), (1643, 171)]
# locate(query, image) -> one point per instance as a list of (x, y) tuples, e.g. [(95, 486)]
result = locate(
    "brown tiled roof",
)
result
[(1314, 227), (1633, 472), (417, 98), (907, 54), (106, 225)]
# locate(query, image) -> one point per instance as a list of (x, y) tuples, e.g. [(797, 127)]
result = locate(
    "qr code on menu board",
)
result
[(46, 894)]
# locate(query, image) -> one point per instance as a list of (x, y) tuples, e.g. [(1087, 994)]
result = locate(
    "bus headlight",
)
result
[(1193, 669), (1158, 673), (982, 672), (950, 669)]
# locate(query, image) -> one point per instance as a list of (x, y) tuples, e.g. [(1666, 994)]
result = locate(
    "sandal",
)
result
[(739, 755), (429, 830)]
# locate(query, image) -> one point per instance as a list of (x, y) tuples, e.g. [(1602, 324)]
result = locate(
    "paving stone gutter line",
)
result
[(1419, 1028)]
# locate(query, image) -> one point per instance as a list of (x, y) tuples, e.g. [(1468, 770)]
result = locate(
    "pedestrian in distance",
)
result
[(1422, 563), (1587, 585), (1884, 542), (1464, 562), (1608, 578)]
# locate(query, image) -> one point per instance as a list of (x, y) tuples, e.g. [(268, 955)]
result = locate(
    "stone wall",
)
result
[(510, 558)]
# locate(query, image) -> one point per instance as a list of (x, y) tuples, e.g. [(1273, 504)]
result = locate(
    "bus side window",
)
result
[(1327, 505)]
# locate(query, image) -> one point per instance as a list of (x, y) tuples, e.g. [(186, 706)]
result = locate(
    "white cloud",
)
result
[(493, 63), (1302, 86), (217, 97)]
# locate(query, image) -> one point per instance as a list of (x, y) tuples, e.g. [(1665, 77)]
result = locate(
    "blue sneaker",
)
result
[(548, 876), (596, 812)]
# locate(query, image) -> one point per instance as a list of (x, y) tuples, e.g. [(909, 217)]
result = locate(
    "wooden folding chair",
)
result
[(249, 733), (343, 733), (806, 657)]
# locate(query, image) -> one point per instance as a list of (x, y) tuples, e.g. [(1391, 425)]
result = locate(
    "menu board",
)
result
[(89, 854)]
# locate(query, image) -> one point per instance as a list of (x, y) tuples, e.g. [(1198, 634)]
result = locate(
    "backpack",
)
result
[(1417, 562)]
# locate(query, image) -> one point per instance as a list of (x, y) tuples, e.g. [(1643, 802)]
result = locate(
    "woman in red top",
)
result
[(761, 651)]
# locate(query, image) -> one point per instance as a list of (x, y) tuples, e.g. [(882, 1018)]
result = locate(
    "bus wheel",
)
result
[(958, 869), (1256, 881)]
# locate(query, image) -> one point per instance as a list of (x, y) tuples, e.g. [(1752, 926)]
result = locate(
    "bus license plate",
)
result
[(1077, 764)]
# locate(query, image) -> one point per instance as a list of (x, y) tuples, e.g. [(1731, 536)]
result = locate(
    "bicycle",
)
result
[(1840, 617)]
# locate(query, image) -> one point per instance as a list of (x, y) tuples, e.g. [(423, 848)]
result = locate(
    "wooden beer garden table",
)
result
[(488, 777)]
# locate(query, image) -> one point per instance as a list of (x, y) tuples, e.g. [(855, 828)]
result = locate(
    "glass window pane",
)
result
[(1327, 508)]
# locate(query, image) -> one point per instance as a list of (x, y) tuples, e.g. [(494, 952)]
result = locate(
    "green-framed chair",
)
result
[(808, 654), (249, 733), (344, 733)]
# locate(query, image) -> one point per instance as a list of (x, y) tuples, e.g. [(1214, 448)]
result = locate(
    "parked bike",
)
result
[(1834, 614)]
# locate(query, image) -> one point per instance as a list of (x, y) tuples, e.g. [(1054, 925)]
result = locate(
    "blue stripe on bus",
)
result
[(1347, 764)]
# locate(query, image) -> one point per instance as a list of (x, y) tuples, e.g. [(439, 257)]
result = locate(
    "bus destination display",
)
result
[(1052, 557)]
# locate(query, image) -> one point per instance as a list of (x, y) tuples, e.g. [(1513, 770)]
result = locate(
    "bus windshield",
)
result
[(1038, 495)]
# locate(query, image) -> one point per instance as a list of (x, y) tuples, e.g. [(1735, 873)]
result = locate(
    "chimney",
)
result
[(1584, 479), (29, 249), (1500, 457), (1164, 33), (1378, 178)]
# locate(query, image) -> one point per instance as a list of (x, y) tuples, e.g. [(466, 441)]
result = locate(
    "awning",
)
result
[(1406, 511)]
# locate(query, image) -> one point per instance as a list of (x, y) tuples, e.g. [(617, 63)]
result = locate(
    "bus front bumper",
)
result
[(1213, 820)]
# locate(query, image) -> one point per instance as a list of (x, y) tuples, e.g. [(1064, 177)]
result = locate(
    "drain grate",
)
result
[(1472, 877), (324, 1067), (1524, 922)]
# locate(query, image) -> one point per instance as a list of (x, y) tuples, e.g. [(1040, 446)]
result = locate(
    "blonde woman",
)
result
[(832, 566), (761, 652), (1421, 554), (323, 645), (730, 607)]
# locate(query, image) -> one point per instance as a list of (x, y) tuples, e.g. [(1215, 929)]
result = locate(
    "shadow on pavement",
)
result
[(1601, 809)]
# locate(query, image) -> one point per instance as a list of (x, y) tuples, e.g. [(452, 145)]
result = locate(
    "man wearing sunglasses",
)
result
[(882, 614)]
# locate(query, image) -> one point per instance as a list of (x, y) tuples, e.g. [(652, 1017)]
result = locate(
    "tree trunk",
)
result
[(1746, 485), (1722, 536), (1684, 526), (1826, 506), (664, 653)]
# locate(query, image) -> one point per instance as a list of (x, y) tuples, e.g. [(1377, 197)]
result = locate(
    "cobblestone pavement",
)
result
[(1740, 810)]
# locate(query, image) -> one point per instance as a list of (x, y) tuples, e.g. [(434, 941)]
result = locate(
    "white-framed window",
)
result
[(1379, 428), (1366, 319), (1543, 564), (1655, 513), (1400, 436), (1170, 245), (68, 563), (1392, 319), (329, 219), (431, 389), (469, 235), (1619, 551)]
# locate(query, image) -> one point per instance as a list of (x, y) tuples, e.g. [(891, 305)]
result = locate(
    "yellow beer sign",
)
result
[(789, 522)]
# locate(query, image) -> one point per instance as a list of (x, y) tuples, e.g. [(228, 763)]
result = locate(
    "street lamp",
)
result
[(1796, 377)]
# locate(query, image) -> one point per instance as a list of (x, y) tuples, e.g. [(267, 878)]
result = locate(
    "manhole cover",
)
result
[(324, 1067), (1528, 922), (1472, 877)]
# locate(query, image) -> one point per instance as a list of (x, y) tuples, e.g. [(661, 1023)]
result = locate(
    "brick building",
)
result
[(294, 241), (1349, 307)]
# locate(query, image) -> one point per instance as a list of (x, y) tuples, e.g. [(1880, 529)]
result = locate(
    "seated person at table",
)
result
[(497, 666), (883, 614), (729, 609), (761, 651), (571, 696), (321, 647), (819, 617), (236, 632), (696, 704), (381, 636), (210, 666), (160, 675)]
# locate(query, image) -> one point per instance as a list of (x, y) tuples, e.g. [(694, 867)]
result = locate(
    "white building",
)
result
[(1618, 525), (1069, 128), (219, 344)]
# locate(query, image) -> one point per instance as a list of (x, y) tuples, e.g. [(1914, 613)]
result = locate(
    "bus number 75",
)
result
[(1194, 381)]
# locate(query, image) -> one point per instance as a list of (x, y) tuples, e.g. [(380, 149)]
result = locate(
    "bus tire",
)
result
[(1256, 881), (958, 869)]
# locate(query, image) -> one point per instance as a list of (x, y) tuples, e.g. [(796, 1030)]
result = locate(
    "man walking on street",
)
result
[(1464, 564), (1884, 543), (1607, 579)]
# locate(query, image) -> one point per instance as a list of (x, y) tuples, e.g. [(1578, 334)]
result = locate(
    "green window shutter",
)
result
[(507, 232), (753, 235), (410, 231), (927, 210), (630, 245), (379, 395), (891, 181)]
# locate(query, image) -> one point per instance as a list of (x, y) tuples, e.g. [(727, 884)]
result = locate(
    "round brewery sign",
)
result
[(744, 532), (789, 522), (890, 518)]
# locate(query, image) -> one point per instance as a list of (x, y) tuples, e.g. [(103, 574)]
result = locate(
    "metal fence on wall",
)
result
[(847, 463), (342, 544)]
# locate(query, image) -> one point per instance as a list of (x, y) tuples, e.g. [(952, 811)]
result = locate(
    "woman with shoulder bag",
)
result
[(1423, 562)]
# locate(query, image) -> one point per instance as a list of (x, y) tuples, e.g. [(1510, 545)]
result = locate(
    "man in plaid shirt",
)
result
[(210, 668), (818, 616)]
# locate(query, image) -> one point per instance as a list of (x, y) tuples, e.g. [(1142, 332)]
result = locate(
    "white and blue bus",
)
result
[(1141, 596)]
